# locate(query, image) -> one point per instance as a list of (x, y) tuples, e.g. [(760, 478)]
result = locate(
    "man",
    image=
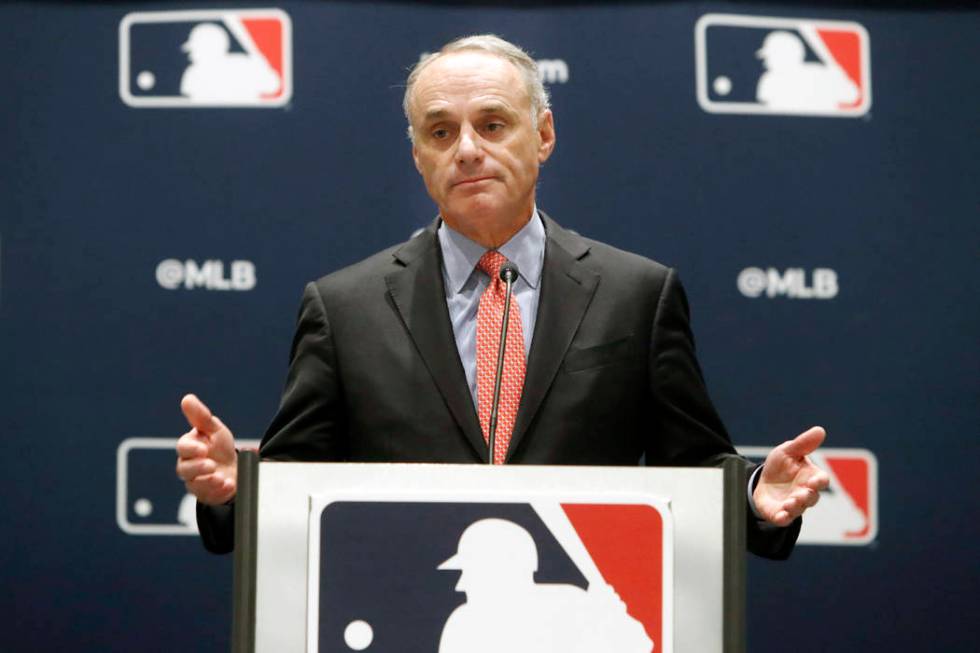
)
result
[(393, 357)]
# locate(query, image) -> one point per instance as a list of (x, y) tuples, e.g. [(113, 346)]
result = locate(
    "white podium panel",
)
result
[(453, 558)]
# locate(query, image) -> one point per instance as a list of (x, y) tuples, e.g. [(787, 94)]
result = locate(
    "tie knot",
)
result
[(491, 262)]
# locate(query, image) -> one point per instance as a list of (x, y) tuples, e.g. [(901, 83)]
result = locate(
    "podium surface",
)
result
[(378, 557)]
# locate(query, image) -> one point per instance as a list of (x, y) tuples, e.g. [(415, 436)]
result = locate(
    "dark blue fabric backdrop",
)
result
[(94, 349)]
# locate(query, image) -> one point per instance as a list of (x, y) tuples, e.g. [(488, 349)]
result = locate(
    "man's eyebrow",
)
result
[(488, 108), (496, 107), (434, 114)]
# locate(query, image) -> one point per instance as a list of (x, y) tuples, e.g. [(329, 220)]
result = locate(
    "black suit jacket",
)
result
[(612, 377)]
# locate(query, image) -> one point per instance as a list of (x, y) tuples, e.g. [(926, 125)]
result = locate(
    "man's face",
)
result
[(475, 146)]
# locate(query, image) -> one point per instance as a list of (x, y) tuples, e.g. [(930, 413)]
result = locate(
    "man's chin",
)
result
[(478, 206), (473, 195)]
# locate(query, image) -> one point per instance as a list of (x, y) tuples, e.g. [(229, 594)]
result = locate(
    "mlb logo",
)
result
[(765, 65), (150, 499), (472, 577), (206, 58), (847, 512)]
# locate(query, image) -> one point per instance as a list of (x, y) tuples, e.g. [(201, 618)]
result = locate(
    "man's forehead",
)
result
[(481, 75), (470, 58)]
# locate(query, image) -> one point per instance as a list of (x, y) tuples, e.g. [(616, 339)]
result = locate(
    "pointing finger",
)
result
[(198, 415), (805, 443)]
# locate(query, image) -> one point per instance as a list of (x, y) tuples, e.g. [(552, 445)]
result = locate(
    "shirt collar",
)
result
[(525, 248)]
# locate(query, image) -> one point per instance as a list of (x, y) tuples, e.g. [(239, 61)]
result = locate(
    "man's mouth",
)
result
[(472, 180)]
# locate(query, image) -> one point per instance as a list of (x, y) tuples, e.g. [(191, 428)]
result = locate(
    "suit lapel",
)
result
[(416, 287), (567, 287)]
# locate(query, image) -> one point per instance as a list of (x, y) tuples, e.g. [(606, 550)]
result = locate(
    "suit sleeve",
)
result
[(688, 430), (311, 423)]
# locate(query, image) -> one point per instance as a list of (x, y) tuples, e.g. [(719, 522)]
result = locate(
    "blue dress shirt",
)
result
[(465, 285)]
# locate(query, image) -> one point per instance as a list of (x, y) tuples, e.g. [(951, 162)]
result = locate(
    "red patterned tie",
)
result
[(489, 319)]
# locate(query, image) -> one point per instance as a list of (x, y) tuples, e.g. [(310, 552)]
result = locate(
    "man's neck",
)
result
[(496, 232)]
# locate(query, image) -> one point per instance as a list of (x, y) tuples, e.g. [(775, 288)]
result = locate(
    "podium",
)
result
[(335, 557)]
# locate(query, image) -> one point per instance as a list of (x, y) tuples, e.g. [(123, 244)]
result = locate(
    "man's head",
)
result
[(491, 44), (480, 128)]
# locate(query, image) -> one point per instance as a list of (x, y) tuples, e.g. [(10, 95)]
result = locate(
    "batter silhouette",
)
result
[(792, 84), (217, 75), (506, 610)]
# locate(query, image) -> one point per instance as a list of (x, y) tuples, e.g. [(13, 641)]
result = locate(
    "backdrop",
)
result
[(167, 190)]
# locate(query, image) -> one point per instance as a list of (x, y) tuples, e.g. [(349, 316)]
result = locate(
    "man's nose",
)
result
[(469, 149)]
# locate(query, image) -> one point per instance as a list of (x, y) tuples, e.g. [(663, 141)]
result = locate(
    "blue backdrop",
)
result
[(148, 251)]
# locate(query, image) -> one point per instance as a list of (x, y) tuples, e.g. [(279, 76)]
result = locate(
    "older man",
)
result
[(394, 357)]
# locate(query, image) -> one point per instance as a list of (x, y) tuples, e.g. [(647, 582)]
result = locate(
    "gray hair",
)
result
[(491, 44)]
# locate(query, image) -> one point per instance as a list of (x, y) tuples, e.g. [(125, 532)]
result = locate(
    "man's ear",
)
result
[(546, 132), (415, 156)]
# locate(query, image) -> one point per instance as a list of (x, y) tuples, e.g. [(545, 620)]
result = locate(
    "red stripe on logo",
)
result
[(853, 474), (267, 35), (845, 48), (626, 544)]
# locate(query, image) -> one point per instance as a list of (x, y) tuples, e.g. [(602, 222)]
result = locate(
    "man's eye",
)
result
[(494, 127), (440, 134)]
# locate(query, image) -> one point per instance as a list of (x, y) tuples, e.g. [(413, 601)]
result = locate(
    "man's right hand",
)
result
[(206, 458)]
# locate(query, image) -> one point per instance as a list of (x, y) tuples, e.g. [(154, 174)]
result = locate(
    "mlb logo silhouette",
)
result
[(213, 58), (760, 64), (847, 512), (468, 577)]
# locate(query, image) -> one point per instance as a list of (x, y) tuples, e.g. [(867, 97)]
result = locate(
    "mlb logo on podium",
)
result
[(479, 577), (783, 66), (206, 58)]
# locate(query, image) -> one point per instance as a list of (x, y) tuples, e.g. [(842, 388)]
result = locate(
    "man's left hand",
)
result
[(789, 482)]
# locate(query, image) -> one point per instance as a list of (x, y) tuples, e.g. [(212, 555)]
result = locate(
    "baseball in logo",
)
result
[(788, 66), (847, 512), (206, 58), (481, 577)]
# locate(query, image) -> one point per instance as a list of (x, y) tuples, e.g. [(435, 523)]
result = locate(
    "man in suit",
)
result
[(393, 358)]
